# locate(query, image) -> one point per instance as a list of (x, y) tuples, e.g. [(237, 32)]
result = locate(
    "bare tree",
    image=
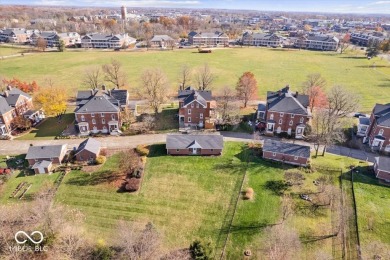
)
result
[(41, 44), (154, 88), (114, 74), (313, 80), (204, 77), (227, 106), (128, 161), (342, 102), (281, 243), (185, 76), (345, 43), (92, 78), (313, 87), (138, 244)]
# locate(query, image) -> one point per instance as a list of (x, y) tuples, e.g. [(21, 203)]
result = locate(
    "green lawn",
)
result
[(273, 68), (185, 197), (373, 206), (5, 50), (49, 128)]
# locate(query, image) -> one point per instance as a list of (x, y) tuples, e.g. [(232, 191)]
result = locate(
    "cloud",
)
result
[(380, 3)]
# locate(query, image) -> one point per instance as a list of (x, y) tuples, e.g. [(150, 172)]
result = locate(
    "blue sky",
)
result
[(347, 6)]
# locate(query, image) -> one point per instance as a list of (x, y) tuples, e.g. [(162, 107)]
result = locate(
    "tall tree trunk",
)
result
[(324, 150), (316, 148)]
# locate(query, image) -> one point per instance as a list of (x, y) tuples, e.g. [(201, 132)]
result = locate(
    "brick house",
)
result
[(13, 103), (162, 41), (194, 144), (261, 39), (88, 150), (382, 168), (286, 112), (286, 152), (196, 108), (50, 153), (100, 110), (378, 133)]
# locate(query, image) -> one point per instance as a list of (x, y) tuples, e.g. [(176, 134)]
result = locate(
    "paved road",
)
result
[(21, 146)]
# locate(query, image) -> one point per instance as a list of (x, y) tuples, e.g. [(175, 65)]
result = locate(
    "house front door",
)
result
[(194, 150)]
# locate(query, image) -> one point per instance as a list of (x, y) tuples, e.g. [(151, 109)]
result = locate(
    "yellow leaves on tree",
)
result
[(52, 100)]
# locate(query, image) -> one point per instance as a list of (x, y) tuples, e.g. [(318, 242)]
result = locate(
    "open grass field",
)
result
[(273, 68), (373, 200), (184, 197), (5, 51)]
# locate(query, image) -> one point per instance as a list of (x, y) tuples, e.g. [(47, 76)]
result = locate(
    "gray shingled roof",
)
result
[(383, 163), (286, 148), (46, 151), (13, 96), (90, 145), (183, 141), (4, 107), (287, 103), (101, 36), (364, 120), (120, 95), (44, 164), (382, 114), (202, 96), (158, 38), (260, 107), (97, 104)]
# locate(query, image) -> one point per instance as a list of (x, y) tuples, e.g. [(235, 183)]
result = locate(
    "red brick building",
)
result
[(285, 112), (286, 152), (378, 133), (13, 103), (88, 150), (194, 144), (50, 153), (99, 111), (382, 168), (196, 108)]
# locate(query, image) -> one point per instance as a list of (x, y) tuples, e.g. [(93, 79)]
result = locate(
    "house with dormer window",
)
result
[(378, 131), (196, 108), (285, 112)]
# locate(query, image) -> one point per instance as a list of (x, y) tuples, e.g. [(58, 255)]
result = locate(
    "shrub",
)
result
[(132, 184), (278, 187), (100, 159), (102, 252), (142, 150), (199, 251), (248, 194)]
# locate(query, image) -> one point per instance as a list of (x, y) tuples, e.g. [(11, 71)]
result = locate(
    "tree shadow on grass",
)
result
[(157, 150), (85, 179), (371, 66), (354, 58), (363, 174)]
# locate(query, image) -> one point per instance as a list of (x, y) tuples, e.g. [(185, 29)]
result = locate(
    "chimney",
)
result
[(103, 87), (296, 94), (9, 87), (6, 94)]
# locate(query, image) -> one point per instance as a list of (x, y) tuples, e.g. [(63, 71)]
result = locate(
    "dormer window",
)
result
[(192, 105)]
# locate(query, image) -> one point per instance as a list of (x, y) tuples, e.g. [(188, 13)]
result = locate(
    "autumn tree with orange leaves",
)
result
[(247, 88), (314, 88), (22, 85)]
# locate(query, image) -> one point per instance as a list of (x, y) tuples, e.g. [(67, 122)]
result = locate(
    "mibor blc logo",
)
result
[(25, 235), (21, 237)]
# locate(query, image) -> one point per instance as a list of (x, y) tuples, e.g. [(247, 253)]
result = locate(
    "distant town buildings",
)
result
[(106, 41), (208, 39)]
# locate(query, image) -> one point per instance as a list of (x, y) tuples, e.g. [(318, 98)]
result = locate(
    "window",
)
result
[(295, 158), (381, 132), (93, 115), (177, 150), (93, 121), (103, 121), (189, 111), (197, 105), (291, 123), (273, 154), (301, 120), (281, 114), (292, 115), (189, 119), (201, 115), (280, 121), (113, 117), (212, 150), (82, 118), (271, 117), (192, 105), (102, 115)]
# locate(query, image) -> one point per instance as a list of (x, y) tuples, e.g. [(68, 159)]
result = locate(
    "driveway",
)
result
[(13, 147)]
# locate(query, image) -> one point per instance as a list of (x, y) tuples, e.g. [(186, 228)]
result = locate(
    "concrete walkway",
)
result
[(13, 147)]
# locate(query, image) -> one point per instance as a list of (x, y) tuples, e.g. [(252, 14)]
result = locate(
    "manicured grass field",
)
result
[(373, 200), (184, 197), (5, 51), (273, 68), (49, 128)]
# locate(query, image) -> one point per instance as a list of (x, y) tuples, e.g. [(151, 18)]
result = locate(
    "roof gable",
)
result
[(286, 148), (204, 141)]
